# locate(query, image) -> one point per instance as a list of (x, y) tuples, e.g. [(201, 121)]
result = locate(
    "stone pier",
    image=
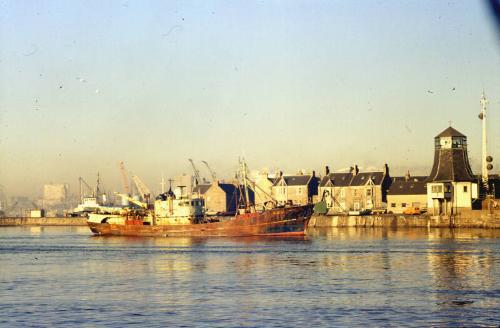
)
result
[(43, 221), (474, 219)]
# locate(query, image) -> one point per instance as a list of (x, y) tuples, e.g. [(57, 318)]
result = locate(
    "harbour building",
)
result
[(451, 185)]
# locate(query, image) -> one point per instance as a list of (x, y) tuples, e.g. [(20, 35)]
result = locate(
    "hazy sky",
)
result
[(290, 84)]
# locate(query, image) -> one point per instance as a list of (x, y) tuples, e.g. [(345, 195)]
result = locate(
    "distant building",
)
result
[(201, 189), (451, 185), (263, 189), (407, 192), (295, 189), (183, 184), (225, 198), (55, 194)]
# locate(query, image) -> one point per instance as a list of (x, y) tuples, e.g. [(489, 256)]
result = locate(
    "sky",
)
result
[(288, 84)]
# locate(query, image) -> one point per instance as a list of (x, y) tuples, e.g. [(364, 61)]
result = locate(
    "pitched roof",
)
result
[(338, 179), (294, 180), (410, 187), (361, 179), (418, 178), (450, 132)]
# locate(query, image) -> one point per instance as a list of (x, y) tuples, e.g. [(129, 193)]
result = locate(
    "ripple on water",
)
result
[(337, 277)]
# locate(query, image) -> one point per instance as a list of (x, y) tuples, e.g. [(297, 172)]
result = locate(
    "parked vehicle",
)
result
[(412, 211)]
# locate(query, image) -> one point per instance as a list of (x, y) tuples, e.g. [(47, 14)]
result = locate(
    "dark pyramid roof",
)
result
[(450, 132), (451, 165)]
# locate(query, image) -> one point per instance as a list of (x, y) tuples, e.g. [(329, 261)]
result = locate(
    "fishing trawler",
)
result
[(173, 215)]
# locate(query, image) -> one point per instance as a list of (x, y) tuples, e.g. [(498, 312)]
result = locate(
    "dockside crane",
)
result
[(142, 188), (212, 173), (196, 173), (132, 200), (125, 180)]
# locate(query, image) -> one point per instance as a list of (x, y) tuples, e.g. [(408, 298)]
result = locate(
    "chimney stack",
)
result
[(327, 170), (386, 169), (356, 169)]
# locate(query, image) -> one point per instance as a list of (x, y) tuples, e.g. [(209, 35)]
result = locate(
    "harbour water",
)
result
[(335, 277)]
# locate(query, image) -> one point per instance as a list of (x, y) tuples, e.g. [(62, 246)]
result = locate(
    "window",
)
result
[(342, 192), (299, 191), (465, 188), (355, 192), (403, 204), (437, 143), (368, 192), (393, 204), (437, 189)]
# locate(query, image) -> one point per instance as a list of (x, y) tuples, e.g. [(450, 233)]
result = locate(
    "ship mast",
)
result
[(97, 186), (244, 177), (484, 163)]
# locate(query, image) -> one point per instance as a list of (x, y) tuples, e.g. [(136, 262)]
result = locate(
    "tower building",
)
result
[(451, 185)]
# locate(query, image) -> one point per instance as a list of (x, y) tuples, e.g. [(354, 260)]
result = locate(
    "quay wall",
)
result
[(485, 220), (43, 221)]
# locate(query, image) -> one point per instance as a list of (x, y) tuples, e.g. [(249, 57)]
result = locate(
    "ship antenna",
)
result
[(97, 185), (162, 183)]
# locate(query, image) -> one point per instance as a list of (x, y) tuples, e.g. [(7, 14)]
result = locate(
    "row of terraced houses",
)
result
[(450, 187)]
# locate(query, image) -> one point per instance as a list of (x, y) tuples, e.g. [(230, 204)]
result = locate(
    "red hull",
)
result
[(290, 221)]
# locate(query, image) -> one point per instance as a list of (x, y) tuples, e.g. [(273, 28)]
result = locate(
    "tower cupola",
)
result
[(451, 161), (450, 138)]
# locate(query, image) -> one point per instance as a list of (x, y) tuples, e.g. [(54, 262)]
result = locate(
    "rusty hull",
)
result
[(288, 221)]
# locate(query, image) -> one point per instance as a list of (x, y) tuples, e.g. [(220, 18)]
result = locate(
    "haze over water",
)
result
[(336, 277)]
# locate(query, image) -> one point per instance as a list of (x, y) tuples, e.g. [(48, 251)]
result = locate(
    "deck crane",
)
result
[(212, 173), (196, 173), (125, 180), (132, 200), (142, 188)]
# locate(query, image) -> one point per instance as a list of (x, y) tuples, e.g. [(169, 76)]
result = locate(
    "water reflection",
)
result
[(332, 277), (462, 274)]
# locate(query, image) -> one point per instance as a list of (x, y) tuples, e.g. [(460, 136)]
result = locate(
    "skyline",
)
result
[(84, 85)]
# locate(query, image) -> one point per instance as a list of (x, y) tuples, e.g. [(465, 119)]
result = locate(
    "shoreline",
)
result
[(480, 219), (55, 221)]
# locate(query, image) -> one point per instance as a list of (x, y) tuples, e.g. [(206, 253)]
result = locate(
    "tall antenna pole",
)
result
[(484, 164)]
